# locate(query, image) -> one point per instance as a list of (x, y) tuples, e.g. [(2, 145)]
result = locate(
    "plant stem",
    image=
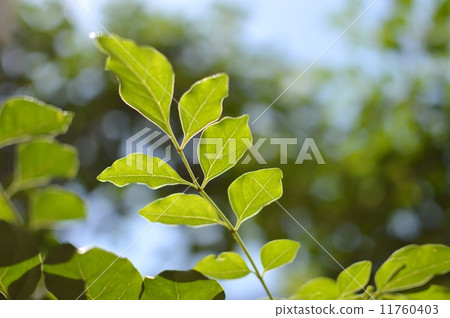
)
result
[(222, 216)]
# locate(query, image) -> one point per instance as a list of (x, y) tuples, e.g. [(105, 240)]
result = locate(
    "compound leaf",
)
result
[(202, 104), (354, 278), (249, 193), (412, 266), (95, 274), (181, 285), (179, 208), (146, 77), (22, 118), (277, 253), (228, 265), (140, 168)]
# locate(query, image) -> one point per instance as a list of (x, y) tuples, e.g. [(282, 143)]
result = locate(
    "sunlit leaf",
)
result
[(202, 104), (249, 193), (95, 274), (54, 204), (321, 288), (228, 265), (20, 263), (354, 278), (277, 253), (140, 168), (179, 208), (434, 292), (413, 266), (39, 161), (146, 77), (6, 210), (22, 118), (222, 145), (181, 285)]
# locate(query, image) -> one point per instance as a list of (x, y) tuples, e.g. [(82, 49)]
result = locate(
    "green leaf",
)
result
[(252, 191), (412, 266), (22, 118), (321, 288), (95, 274), (434, 292), (278, 253), (142, 169), (20, 263), (354, 278), (54, 204), (202, 104), (6, 210), (222, 145), (181, 285), (179, 208), (146, 77), (39, 161), (228, 265)]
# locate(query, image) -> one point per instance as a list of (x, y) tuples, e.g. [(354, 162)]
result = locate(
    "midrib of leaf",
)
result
[(221, 150), (200, 107), (279, 255), (21, 131), (230, 271), (180, 216), (1, 282), (354, 279), (106, 286), (81, 272), (257, 194), (145, 176), (405, 277), (176, 290), (144, 83)]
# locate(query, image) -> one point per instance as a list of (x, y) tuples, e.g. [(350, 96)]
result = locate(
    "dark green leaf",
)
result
[(95, 274), (181, 285), (20, 263)]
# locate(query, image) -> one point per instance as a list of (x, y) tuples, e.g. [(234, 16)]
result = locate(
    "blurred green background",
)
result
[(377, 105)]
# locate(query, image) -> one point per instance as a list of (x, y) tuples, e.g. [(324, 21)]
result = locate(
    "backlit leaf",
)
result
[(179, 208), (95, 274), (181, 285), (413, 266), (22, 118), (140, 168), (6, 210), (202, 104), (354, 278), (249, 193), (321, 288), (227, 265), (222, 145), (277, 253), (146, 77)]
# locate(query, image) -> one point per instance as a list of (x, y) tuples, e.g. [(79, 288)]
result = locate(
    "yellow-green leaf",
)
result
[(142, 169), (249, 193), (354, 278), (146, 77), (179, 208), (277, 253), (321, 288), (202, 104), (22, 118), (222, 145), (228, 265)]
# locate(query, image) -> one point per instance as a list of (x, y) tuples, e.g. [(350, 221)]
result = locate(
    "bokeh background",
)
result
[(377, 105)]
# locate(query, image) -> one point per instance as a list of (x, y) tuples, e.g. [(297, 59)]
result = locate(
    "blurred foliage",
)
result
[(383, 125)]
